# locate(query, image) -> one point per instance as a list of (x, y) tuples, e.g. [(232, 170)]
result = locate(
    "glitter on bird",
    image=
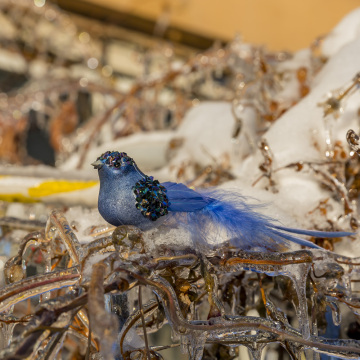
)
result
[(129, 197)]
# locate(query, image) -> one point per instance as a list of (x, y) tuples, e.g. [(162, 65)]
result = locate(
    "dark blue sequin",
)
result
[(151, 198), (116, 159)]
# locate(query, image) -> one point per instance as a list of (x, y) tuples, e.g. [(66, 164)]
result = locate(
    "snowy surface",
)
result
[(345, 32)]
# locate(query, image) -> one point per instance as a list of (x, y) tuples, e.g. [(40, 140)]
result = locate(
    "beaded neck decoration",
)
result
[(151, 198), (116, 159)]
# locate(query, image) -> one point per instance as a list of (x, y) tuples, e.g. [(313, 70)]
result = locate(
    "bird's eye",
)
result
[(117, 165)]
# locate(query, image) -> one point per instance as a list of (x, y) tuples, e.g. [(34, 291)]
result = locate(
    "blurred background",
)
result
[(65, 65), (278, 24)]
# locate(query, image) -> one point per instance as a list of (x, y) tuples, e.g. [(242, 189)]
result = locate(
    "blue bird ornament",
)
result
[(129, 197)]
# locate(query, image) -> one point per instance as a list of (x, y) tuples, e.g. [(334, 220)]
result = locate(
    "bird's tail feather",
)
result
[(324, 234), (297, 240), (231, 213)]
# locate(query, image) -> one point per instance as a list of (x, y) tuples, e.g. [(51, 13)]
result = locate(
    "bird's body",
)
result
[(129, 197), (116, 199)]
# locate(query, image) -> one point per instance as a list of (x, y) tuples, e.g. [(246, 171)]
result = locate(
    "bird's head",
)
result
[(114, 162)]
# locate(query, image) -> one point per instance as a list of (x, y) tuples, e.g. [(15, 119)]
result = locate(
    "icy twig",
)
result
[(228, 327), (66, 234), (143, 325), (134, 319), (104, 325), (13, 269), (98, 246), (15, 223), (36, 285)]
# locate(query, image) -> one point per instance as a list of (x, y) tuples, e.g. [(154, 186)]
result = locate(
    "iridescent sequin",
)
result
[(151, 198), (116, 159)]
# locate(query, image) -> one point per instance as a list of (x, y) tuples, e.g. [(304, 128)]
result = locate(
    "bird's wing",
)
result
[(182, 198)]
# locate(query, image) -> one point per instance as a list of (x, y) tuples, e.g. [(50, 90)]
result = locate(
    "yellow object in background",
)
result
[(30, 189), (52, 187)]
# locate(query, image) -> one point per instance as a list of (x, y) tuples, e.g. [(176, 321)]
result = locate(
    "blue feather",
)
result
[(314, 233), (182, 198), (297, 240), (207, 211)]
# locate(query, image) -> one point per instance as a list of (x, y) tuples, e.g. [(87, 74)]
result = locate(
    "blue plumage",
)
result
[(184, 199), (129, 197)]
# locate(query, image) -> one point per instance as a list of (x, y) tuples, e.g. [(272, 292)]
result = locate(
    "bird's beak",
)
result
[(98, 164)]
